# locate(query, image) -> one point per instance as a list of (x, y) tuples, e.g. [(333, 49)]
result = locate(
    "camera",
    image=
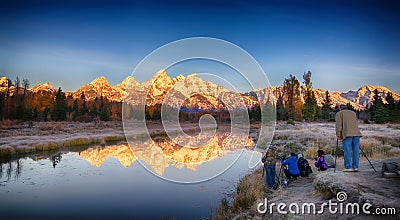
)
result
[(281, 157)]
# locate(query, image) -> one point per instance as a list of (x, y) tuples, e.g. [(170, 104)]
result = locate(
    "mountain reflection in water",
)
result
[(161, 153)]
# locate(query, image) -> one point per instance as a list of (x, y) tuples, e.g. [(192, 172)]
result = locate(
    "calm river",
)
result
[(109, 182)]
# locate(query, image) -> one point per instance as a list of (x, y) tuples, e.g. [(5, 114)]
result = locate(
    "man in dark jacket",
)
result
[(292, 172)]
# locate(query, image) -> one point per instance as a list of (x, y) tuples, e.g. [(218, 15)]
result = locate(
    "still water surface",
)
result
[(108, 182)]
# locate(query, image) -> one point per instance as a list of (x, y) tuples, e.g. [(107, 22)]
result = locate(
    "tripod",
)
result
[(363, 153), (367, 159), (281, 177)]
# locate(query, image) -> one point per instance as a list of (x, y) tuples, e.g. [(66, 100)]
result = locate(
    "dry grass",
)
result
[(378, 141), (249, 189), (6, 151)]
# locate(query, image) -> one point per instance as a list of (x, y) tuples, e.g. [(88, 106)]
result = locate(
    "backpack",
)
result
[(304, 167), (264, 158), (329, 160), (390, 167)]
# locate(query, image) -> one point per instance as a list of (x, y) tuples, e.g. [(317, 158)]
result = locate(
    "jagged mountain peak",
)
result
[(98, 87), (129, 79), (4, 82), (100, 81), (372, 88), (179, 77), (43, 87)]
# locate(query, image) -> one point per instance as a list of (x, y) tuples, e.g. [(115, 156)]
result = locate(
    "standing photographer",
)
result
[(347, 130), (292, 172), (269, 160)]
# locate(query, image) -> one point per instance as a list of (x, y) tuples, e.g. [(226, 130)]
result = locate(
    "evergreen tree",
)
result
[(350, 107), (20, 111), (45, 113), (156, 112), (93, 111), (379, 113), (83, 109), (75, 109), (60, 108), (309, 109), (35, 114), (326, 106), (390, 105), (25, 84), (104, 113), (291, 92), (268, 112), (28, 114), (17, 85), (280, 108), (2, 106)]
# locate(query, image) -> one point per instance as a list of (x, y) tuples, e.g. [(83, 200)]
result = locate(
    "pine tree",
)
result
[(20, 111), (25, 84), (45, 113), (2, 106), (75, 109), (326, 106), (104, 114), (93, 111), (291, 93), (309, 109), (268, 112), (280, 108), (391, 108), (83, 109), (17, 85), (379, 113), (60, 108)]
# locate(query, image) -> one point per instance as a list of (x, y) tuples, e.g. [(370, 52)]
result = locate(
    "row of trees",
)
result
[(17, 103), (380, 112), (290, 105)]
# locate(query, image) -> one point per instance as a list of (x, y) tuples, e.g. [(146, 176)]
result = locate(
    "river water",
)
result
[(111, 182)]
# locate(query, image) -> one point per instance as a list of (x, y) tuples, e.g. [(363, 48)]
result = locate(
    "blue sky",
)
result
[(345, 44)]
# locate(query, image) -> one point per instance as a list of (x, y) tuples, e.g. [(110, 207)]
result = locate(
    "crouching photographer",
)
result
[(292, 171)]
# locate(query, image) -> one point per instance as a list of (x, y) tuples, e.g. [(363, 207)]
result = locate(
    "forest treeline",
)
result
[(21, 104), (290, 107)]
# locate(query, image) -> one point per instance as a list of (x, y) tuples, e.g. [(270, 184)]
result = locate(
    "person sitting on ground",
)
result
[(321, 163), (292, 172), (303, 165)]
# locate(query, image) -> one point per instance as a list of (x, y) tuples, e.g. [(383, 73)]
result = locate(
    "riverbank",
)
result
[(22, 138), (320, 187), (379, 141)]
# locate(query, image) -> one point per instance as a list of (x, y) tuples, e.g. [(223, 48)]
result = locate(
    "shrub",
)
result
[(290, 122)]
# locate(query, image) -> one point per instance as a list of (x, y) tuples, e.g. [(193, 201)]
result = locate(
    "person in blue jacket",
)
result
[(292, 172)]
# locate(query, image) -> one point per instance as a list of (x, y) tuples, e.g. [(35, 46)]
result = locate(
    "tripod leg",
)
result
[(367, 159), (337, 146)]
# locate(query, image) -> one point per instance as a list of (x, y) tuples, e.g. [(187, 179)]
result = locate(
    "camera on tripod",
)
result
[(281, 157)]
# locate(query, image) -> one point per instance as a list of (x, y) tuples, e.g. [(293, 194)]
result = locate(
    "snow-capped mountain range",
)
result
[(195, 92)]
